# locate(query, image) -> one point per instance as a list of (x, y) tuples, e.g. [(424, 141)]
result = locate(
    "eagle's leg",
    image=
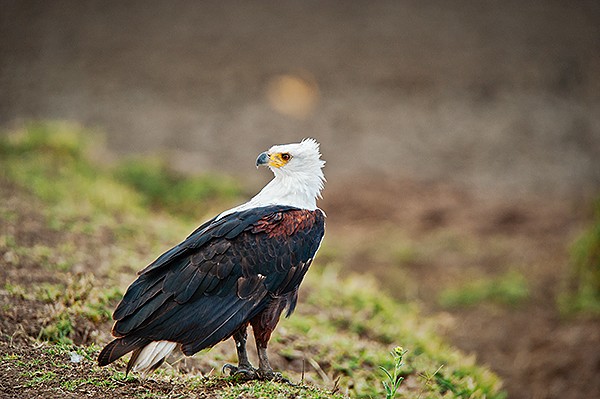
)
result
[(244, 367), (265, 371), (264, 367), (263, 325)]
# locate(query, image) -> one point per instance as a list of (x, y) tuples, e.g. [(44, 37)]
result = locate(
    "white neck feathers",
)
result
[(297, 184)]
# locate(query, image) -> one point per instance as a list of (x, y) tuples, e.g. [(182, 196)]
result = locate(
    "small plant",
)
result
[(58, 329), (394, 379)]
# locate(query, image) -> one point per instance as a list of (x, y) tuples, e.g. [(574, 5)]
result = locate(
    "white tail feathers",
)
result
[(152, 354)]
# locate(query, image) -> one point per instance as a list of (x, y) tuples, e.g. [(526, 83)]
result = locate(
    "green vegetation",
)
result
[(54, 162), (182, 195), (273, 390), (510, 289), (583, 294), (81, 298), (53, 367), (347, 325), (393, 378), (105, 223)]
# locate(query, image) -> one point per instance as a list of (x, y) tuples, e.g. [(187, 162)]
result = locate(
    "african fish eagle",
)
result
[(243, 267)]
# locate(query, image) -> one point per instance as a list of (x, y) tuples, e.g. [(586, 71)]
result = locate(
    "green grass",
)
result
[(510, 288), (162, 187), (72, 385), (583, 293), (53, 161), (272, 390), (83, 297), (115, 217), (353, 326), (38, 377)]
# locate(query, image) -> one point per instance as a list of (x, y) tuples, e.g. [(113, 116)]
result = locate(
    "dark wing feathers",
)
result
[(189, 289), (224, 273), (140, 315), (247, 287), (228, 226), (220, 329), (139, 292)]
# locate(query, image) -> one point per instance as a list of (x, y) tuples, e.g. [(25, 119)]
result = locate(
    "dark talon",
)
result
[(243, 372), (246, 374), (271, 375), (232, 369)]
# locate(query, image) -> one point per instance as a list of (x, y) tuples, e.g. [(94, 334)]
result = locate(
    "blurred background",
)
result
[(498, 96), (462, 138)]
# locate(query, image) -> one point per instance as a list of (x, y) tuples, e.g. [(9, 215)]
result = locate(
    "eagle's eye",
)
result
[(286, 157)]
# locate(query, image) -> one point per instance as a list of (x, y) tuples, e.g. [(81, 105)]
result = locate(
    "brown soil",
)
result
[(538, 352), (15, 382), (500, 95)]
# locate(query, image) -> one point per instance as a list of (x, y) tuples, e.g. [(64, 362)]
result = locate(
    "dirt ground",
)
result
[(537, 352), (25, 361)]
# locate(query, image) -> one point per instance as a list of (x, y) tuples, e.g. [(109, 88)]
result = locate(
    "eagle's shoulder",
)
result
[(228, 226)]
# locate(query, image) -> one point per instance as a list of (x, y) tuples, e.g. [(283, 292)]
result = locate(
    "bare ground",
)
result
[(538, 352)]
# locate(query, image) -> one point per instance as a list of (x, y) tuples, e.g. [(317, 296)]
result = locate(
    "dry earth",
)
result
[(539, 353)]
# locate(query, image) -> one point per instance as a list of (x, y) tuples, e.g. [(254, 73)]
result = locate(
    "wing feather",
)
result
[(140, 292), (190, 288)]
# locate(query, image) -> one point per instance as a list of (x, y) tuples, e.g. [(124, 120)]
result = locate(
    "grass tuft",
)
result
[(509, 289), (162, 187), (583, 292), (274, 390)]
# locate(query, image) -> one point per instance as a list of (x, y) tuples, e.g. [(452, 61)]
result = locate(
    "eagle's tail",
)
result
[(147, 355), (120, 347), (148, 358)]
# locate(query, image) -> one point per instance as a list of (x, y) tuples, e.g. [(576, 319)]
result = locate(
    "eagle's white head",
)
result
[(298, 178), (298, 170)]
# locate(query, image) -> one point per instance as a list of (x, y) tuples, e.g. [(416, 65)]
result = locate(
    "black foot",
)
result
[(271, 375), (245, 372), (248, 373)]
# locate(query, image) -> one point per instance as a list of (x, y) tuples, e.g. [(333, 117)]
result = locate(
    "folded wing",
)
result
[(199, 292)]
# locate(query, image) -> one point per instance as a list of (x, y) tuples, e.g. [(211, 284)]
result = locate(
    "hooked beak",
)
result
[(263, 159)]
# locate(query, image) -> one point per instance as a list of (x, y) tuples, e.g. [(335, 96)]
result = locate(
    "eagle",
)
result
[(243, 267)]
